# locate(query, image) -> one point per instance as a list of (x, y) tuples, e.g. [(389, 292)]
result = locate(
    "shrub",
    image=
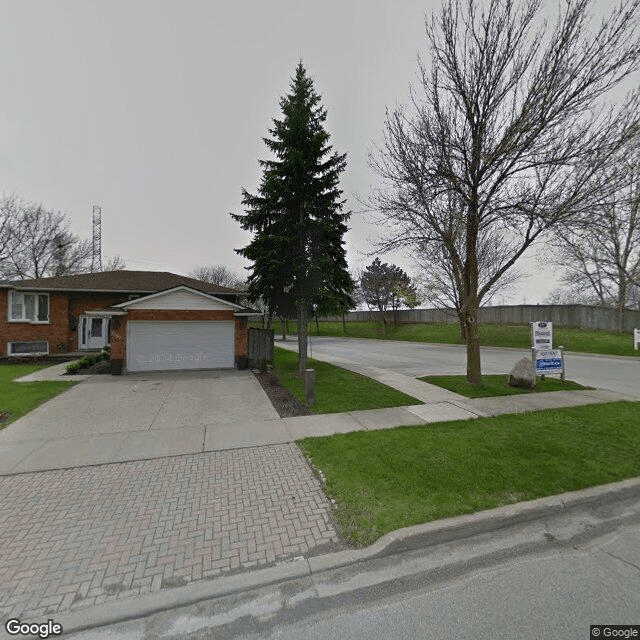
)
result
[(73, 367)]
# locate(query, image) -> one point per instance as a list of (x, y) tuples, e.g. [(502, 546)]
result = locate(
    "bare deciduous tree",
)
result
[(8, 216), (601, 250), (442, 284), (36, 242), (503, 135), (115, 263), (219, 274), (41, 244)]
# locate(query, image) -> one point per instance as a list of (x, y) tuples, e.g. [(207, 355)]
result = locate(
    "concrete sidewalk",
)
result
[(25, 447)]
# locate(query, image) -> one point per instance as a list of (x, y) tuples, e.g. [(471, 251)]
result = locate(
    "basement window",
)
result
[(35, 348)]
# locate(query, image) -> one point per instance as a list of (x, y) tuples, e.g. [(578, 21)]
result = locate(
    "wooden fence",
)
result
[(260, 346)]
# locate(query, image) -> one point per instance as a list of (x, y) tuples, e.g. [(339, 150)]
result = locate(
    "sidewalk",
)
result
[(23, 455), (20, 454)]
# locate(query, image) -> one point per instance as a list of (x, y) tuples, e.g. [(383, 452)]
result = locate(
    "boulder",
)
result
[(522, 374)]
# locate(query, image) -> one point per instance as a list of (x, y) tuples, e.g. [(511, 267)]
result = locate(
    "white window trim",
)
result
[(26, 355), (24, 320)]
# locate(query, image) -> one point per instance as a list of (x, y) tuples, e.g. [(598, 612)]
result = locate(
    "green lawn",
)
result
[(18, 398), (494, 335), (393, 478), (496, 385), (336, 389)]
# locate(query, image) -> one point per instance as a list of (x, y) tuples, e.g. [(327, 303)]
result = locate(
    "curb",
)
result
[(396, 542)]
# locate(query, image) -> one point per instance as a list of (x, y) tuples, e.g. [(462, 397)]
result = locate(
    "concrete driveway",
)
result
[(116, 418)]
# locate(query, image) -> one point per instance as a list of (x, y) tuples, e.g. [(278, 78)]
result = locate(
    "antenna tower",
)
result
[(96, 257)]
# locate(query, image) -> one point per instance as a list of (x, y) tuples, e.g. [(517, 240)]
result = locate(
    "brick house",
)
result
[(152, 320)]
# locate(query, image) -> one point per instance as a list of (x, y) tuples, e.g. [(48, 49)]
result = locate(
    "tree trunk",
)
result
[(474, 375), (283, 327), (471, 304), (317, 326), (622, 298), (463, 330), (303, 329), (344, 323)]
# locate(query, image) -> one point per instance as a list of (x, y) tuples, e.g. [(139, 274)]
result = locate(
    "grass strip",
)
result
[(337, 389), (18, 398), (496, 385), (491, 335), (388, 479)]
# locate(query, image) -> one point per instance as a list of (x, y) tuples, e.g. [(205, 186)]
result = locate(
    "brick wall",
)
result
[(80, 303), (55, 332), (241, 337), (65, 310)]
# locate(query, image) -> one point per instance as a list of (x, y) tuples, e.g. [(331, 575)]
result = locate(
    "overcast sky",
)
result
[(156, 111)]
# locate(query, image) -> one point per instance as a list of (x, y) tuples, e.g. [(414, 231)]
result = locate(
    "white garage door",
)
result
[(168, 345)]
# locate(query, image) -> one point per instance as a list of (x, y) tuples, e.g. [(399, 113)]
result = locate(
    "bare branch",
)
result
[(504, 139)]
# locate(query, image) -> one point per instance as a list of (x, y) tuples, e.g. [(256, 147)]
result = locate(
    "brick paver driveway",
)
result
[(75, 537)]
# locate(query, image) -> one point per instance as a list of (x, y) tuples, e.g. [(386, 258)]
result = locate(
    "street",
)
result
[(486, 588), (420, 359)]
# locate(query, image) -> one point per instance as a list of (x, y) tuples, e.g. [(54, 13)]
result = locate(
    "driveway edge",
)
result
[(395, 542)]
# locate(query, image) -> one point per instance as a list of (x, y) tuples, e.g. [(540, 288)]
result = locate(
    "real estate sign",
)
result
[(542, 335), (549, 361)]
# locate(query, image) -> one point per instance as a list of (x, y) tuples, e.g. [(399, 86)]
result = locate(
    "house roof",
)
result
[(118, 281)]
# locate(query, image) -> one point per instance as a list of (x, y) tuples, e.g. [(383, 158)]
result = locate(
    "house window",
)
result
[(28, 307), (28, 348)]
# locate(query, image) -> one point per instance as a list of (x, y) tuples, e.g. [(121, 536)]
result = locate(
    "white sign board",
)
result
[(542, 335), (549, 361), (636, 338)]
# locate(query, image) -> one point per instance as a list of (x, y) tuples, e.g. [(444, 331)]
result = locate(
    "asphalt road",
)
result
[(555, 594), (554, 597), (418, 359)]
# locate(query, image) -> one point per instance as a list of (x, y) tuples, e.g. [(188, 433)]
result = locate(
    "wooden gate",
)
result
[(260, 348)]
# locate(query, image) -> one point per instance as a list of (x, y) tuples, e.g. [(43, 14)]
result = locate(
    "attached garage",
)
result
[(163, 345), (179, 329)]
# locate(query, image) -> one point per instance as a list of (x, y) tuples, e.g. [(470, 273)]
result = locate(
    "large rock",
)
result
[(522, 374)]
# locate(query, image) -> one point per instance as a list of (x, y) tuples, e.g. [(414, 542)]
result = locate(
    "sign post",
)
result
[(545, 358), (542, 335), (549, 361)]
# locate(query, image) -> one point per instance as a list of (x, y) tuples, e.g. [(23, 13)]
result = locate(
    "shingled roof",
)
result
[(118, 281)]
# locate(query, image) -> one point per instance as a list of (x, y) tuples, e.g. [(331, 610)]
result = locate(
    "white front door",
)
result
[(93, 332)]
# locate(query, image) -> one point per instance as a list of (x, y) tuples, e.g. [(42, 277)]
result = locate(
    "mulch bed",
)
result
[(283, 401), (103, 367)]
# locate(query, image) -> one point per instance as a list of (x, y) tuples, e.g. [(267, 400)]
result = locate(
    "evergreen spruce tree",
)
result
[(296, 217)]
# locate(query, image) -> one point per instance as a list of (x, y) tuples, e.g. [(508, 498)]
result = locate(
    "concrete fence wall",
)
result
[(570, 315)]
